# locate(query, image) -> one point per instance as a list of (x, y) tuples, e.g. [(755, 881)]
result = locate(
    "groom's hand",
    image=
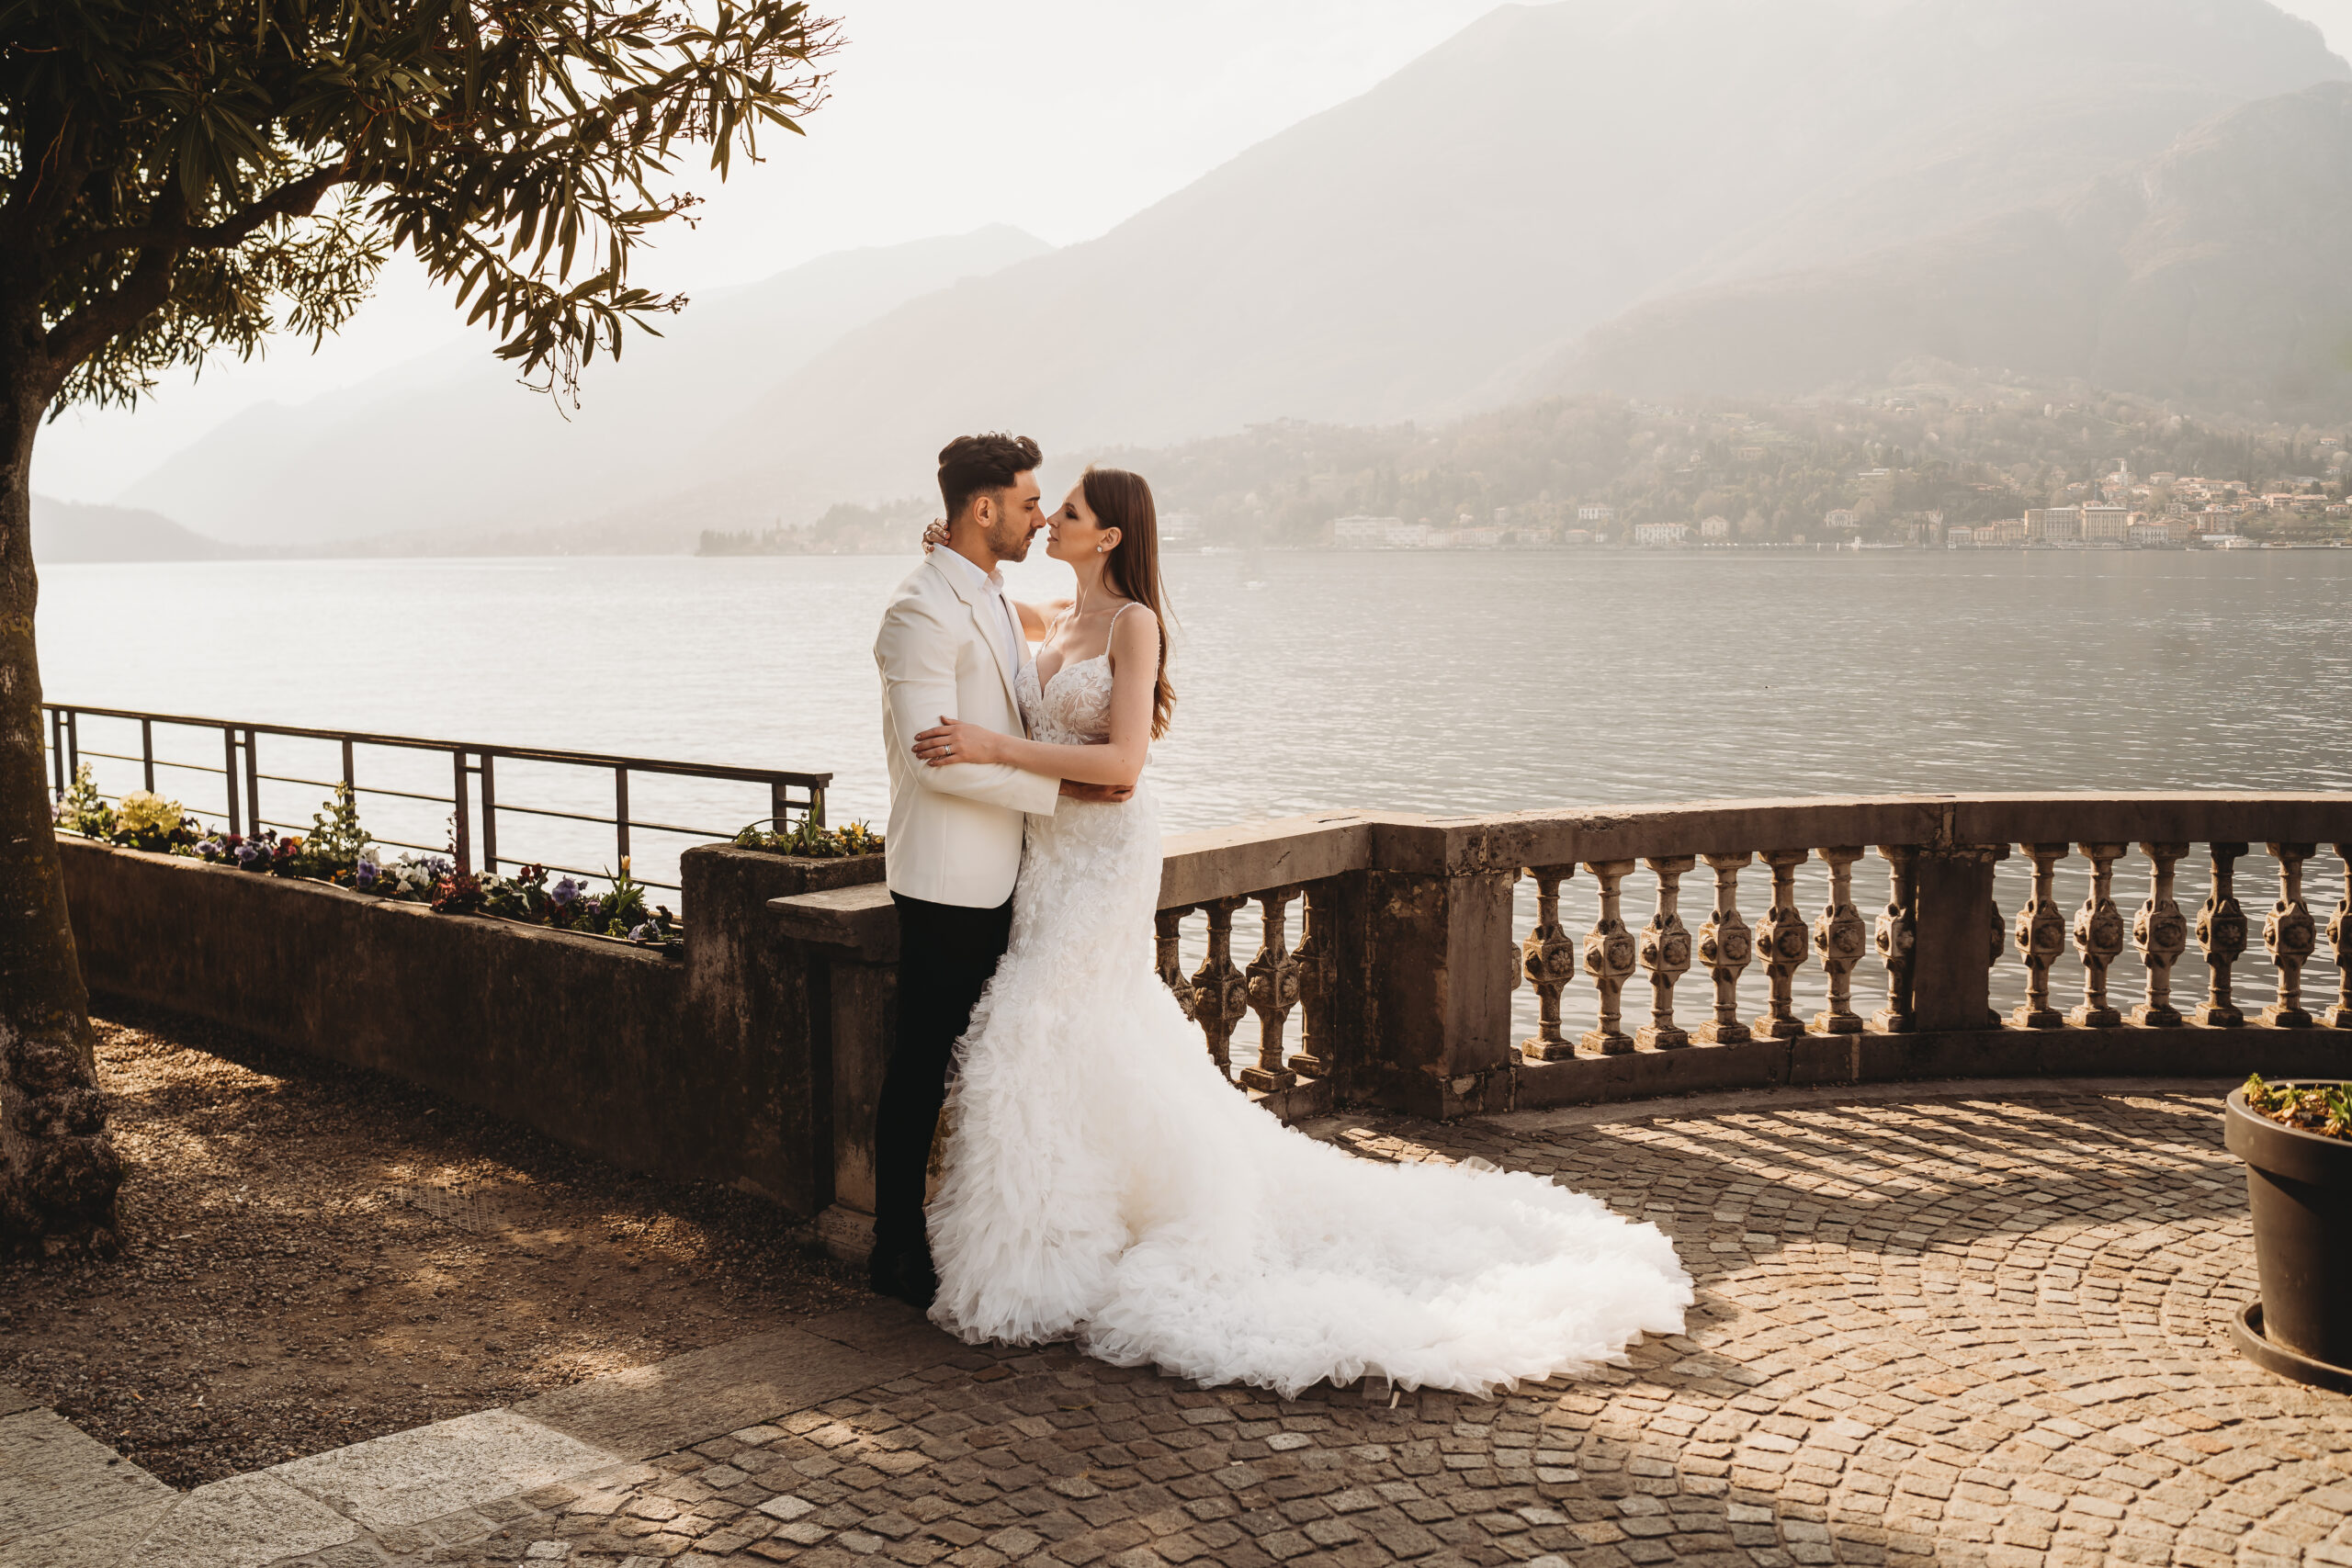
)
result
[(1100, 794)]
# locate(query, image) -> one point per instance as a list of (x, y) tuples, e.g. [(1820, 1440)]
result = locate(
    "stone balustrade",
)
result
[(1393, 953)]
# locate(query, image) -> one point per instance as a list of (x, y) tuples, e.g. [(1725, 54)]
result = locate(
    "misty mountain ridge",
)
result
[(450, 443), (1434, 246), (2212, 274), (77, 532)]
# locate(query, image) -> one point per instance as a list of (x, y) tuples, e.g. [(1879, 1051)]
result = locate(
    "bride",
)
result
[(1103, 1182)]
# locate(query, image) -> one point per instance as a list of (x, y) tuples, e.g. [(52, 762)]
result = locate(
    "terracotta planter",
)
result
[(2299, 1186)]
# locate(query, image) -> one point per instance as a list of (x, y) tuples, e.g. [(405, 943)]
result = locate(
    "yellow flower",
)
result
[(144, 812)]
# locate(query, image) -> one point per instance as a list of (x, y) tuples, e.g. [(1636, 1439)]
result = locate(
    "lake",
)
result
[(1432, 682)]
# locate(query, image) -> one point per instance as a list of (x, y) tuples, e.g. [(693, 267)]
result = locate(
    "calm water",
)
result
[(1428, 683)]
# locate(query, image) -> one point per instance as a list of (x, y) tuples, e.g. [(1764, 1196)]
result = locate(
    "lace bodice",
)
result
[(1073, 708)]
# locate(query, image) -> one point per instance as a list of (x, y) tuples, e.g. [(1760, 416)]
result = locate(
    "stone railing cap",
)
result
[(859, 918)]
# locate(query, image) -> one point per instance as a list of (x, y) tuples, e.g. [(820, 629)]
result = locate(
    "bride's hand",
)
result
[(955, 741), (934, 536)]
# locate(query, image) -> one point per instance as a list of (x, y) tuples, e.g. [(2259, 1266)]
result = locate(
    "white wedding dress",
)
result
[(1103, 1182)]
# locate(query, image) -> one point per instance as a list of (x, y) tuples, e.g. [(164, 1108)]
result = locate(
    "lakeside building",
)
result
[(1596, 514), (1843, 519), (1662, 533), (1576, 536), (1477, 536), (1716, 527), (2106, 524), (1360, 532), (2149, 535), (2054, 524), (1408, 535)]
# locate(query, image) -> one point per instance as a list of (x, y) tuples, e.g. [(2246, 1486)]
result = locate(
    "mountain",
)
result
[(450, 446), (2212, 273), (1422, 249), (65, 531)]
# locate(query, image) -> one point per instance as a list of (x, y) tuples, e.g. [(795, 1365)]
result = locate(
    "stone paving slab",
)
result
[(14, 1399), (246, 1521), (57, 1475), (1987, 1330), (651, 1410), (425, 1472)]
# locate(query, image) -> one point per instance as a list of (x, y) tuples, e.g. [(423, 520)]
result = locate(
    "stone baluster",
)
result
[(1665, 954), (1272, 984), (2098, 938), (1169, 927), (1318, 985), (1898, 937), (2291, 935), (2042, 937), (1841, 938), (1609, 956), (1725, 946), (1548, 959), (1781, 939), (2000, 935), (2221, 932), (1220, 992), (2161, 933), (2339, 934)]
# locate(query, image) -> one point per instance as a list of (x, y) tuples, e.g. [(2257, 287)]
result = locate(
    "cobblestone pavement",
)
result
[(1959, 1331)]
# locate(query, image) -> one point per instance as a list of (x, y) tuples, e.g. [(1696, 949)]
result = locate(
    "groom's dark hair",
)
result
[(971, 464)]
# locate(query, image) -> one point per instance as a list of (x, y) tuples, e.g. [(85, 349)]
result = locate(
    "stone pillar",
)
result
[(1168, 928), (1957, 924), (1725, 946), (2339, 934), (2098, 938), (1665, 954), (1273, 979), (1318, 984), (1438, 971), (1220, 991), (2042, 937), (2220, 933), (2161, 933), (1782, 941), (1609, 953), (1841, 938), (1548, 959), (2291, 935), (1898, 937)]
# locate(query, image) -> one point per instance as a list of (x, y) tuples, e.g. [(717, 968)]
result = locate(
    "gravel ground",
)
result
[(319, 1255)]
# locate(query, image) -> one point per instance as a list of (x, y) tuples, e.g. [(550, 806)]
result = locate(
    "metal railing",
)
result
[(472, 797)]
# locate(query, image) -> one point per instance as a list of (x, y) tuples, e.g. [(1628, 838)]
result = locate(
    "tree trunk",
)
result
[(58, 1167)]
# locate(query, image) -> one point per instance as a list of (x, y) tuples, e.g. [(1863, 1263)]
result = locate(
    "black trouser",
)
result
[(946, 953)]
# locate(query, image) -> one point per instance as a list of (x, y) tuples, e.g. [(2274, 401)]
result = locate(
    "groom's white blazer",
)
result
[(955, 833)]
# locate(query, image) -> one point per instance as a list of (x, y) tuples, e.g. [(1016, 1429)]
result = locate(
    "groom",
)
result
[(951, 647)]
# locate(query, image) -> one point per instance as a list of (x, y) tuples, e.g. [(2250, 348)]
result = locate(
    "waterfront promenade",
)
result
[(1938, 1323)]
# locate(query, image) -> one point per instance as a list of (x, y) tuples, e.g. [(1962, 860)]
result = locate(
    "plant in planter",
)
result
[(807, 837), (144, 820), (2296, 1140)]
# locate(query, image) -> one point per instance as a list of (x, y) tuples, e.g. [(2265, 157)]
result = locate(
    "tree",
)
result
[(184, 179)]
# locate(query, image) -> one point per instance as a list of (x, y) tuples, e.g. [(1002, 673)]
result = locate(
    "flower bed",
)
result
[(337, 851)]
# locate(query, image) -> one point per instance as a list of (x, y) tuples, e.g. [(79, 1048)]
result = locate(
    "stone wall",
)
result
[(693, 1069)]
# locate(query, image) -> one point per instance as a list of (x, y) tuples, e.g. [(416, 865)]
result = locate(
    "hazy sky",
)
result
[(1061, 117)]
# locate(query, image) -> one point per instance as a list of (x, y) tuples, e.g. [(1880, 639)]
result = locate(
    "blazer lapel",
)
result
[(983, 615)]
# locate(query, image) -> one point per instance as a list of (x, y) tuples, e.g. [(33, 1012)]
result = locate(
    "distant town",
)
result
[(2119, 510), (1950, 468)]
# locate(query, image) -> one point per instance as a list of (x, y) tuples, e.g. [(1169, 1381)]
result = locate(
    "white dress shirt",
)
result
[(991, 584)]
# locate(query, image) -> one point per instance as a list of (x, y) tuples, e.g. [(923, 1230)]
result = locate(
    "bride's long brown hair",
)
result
[(1122, 500)]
